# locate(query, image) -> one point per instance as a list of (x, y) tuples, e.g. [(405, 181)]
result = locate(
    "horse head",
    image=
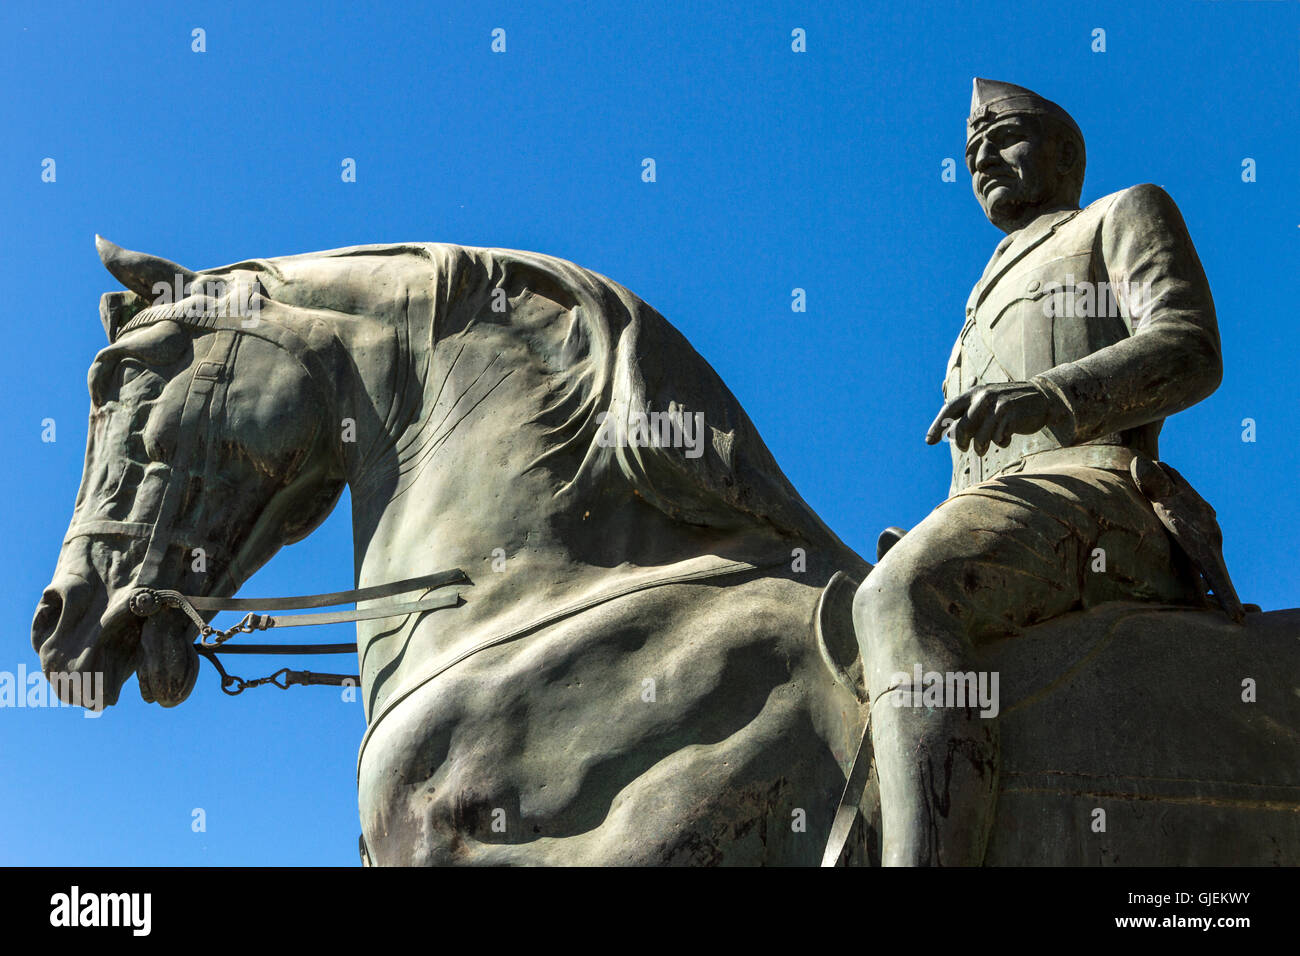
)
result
[(205, 454), (476, 402)]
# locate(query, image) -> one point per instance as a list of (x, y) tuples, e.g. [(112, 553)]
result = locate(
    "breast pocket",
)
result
[(1026, 315), (1021, 339)]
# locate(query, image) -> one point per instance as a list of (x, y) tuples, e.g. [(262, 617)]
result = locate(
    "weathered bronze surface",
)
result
[(653, 659), (1088, 328)]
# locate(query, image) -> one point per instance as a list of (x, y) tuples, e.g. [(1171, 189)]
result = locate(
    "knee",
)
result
[(883, 607), (891, 591), (907, 612)]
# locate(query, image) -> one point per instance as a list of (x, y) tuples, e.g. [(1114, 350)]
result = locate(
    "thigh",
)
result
[(1013, 551)]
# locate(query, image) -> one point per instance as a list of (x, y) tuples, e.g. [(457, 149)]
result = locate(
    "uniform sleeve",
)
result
[(1172, 358)]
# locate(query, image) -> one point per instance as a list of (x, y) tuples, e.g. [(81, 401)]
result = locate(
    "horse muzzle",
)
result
[(78, 631), (168, 664)]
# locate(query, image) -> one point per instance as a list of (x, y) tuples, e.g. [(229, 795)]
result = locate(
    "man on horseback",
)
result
[(1088, 327)]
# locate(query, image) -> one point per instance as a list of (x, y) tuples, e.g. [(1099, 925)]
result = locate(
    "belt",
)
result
[(1115, 457)]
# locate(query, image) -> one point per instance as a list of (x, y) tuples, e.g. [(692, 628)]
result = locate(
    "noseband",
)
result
[(210, 377)]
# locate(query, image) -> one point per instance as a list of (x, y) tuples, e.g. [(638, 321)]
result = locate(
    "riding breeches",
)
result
[(1005, 554)]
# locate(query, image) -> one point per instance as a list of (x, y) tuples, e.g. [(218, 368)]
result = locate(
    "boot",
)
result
[(938, 773)]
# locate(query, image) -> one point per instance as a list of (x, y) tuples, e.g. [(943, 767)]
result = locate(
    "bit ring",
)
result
[(144, 602)]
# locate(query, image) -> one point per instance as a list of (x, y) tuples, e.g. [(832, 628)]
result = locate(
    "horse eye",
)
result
[(130, 369), (100, 378), (154, 447)]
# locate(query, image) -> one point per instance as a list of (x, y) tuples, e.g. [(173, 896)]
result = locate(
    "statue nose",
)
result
[(61, 611), (46, 621), (987, 158)]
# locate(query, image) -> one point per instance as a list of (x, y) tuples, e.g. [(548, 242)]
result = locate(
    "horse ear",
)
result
[(116, 309), (139, 271)]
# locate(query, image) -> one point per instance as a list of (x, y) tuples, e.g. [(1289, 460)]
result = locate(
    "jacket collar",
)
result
[(1022, 242)]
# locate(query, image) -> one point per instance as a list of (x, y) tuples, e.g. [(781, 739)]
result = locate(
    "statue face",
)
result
[(1014, 171), (265, 430)]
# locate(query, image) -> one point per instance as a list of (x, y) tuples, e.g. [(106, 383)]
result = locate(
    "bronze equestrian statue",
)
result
[(597, 625)]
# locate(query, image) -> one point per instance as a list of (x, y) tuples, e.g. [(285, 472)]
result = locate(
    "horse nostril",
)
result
[(47, 617)]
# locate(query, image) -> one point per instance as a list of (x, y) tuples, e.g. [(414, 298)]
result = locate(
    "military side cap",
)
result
[(993, 100)]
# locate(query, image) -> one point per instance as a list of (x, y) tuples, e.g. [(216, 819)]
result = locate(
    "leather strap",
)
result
[(263, 622), (206, 375), (1112, 456), (436, 580), (854, 788), (146, 602), (186, 538), (287, 649)]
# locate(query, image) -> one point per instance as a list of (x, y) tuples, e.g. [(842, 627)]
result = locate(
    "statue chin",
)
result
[(169, 665), (1004, 210)]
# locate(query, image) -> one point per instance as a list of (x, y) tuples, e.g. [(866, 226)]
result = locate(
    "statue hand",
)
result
[(994, 413)]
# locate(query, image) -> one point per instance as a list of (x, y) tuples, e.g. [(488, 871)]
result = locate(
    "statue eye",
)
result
[(1010, 136), (138, 379), (129, 369)]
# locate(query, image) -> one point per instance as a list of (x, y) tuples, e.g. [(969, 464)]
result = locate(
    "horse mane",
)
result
[(608, 355)]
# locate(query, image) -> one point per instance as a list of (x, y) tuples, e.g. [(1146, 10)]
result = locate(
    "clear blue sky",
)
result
[(776, 170)]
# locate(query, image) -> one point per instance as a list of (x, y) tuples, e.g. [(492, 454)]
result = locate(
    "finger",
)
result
[(987, 410), (945, 432), (951, 411), (981, 408), (961, 433), (1005, 431)]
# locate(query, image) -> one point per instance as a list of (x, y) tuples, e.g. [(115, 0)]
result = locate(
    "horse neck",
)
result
[(453, 487)]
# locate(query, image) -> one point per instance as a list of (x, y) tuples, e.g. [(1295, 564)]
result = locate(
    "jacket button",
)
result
[(1032, 286)]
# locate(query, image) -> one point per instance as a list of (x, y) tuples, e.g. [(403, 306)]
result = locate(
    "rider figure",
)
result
[(1088, 328)]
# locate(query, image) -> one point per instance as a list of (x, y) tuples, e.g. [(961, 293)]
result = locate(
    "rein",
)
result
[(146, 601)]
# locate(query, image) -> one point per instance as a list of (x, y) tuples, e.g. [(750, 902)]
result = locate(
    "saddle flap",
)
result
[(836, 639)]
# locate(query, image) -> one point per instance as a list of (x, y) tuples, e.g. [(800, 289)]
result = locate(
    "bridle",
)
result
[(146, 601), (207, 386)]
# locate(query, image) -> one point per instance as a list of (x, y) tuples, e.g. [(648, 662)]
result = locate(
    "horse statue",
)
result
[(645, 652)]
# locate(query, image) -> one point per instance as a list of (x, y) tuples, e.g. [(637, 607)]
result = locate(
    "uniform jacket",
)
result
[(1106, 308)]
